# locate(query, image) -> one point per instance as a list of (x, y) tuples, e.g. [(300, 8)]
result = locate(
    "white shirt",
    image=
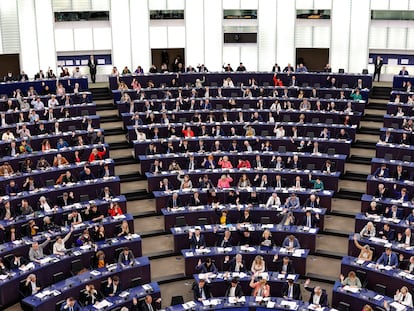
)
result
[(232, 291)]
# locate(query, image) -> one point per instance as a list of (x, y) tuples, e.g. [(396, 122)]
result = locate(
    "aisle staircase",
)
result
[(168, 267)]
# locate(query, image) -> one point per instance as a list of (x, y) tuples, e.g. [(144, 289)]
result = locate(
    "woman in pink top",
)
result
[(225, 163), (224, 181)]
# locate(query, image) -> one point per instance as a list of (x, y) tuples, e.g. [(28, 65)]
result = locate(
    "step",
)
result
[(125, 161), (369, 131), (345, 208), (131, 177), (373, 118), (355, 176), (378, 105), (348, 194), (106, 107), (364, 144), (107, 119), (119, 145), (359, 160), (331, 266)]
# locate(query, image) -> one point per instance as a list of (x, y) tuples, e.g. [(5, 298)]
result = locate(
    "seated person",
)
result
[(86, 174), (365, 251), (291, 242), (260, 288), (291, 290), (25, 208), (258, 265), (224, 239), (236, 264), (313, 201), (394, 212), (388, 258), (11, 188), (32, 229), (90, 295), (59, 247), (31, 286), (404, 297), (311, 220), (92, 213), (196, 239), (328, 167), (106, 193), (317, 183), (36, 251), (382, 171), (74, 218), (351, 280), (45, 205), (201, 291), (114, 209), (234, 289), (284, 265), (368, 230), (18, 261), (266, 239), (113, 287), (7, 212), (60, 160), (126, 257), (66, 199), (386, 233), (342, 135), (318, 296), (207, 266), (292, 201)]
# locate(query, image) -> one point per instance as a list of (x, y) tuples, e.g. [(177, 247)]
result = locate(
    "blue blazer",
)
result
[(296, 243), (384, 259)]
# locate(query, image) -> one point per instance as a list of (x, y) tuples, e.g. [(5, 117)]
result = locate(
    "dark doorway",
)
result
[(313, 59), (168, 56), (9, 63)]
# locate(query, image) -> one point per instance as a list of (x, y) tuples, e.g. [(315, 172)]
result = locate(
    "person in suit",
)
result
[(89, 296), (196, 200), (201, 291), (288, 68), (310, 220), (382, 171), (92, 68), (394, 212), (313, 201), (318, 296), (196, 239), (291, 242), (156, 167), (388, 258), (387, 233), (150, 305), (294, 163), (387, 137), (234, 289), (71, 305), (126, 257), (284, 265), (113, 287), (208, 266), (236, 264), (403, 72), (406, 238), (31, 286), (291, 290), (224, 239), (381, 192), (399, 174), (377, 70)]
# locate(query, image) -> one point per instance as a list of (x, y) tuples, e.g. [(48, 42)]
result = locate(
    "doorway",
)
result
[(313, 59), (167, 56), (9, 63)]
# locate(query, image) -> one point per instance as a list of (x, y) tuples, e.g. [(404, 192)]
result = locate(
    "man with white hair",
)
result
[(318, 296)]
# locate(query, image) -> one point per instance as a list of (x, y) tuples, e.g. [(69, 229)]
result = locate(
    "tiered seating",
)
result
[(389, 209), (146, 109), (79, 128)]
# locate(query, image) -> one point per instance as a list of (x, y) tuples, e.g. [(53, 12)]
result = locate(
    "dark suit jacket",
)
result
[(314, 221), (296, 291), (279, 265), (323, 301), (390, 234), (194, 244), (231, 266), (155, 306), (239, 291), (402, 240), (27, 289), (76, 307), (197, 293), (107, 290)]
